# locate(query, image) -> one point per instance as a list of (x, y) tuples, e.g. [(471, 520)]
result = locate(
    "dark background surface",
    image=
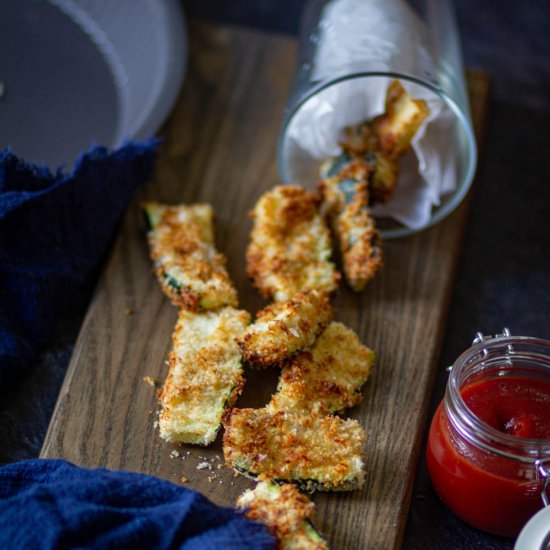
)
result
[(504, 273)]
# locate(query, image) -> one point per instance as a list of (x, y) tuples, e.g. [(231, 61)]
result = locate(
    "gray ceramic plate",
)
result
[(78, 72)]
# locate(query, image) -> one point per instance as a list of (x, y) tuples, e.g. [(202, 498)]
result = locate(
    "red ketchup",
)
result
[(486, 437)]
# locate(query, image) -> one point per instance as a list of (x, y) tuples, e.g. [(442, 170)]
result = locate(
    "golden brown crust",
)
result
[(360, 244), (205, 375), (290, 245), (323, 453), (360, 139), (286, 512), (346, 203), (284, 328), (327, 378), (190, 270), (401, 120), (365, 173), (383, 181)]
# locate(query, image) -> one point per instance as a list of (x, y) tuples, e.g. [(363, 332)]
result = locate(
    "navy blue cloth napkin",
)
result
[(54, 504), (54, 228)]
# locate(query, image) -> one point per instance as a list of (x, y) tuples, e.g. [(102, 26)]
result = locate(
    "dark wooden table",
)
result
[(503, 270)]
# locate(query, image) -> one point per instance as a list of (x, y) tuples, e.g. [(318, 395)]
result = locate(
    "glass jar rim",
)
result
[(452, 201), (476, 430)]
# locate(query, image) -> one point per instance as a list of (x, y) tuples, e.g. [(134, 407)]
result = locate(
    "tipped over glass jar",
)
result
[(350, 52), (488, 451)]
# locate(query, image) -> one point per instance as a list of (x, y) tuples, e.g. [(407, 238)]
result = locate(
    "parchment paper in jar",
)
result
[(358, 36)]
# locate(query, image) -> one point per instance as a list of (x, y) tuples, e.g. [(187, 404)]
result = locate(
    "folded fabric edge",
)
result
[(35, 484)]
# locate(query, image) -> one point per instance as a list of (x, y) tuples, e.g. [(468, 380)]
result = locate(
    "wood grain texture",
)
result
[(220, 148)]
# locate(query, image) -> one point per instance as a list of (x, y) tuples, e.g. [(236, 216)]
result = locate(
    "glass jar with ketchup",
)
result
[(488, 450)]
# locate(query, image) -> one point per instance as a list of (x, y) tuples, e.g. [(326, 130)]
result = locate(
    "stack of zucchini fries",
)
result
[(297, 439)]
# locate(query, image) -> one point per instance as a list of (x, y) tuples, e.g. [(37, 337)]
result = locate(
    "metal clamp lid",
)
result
[(543, 474), (480, 337)]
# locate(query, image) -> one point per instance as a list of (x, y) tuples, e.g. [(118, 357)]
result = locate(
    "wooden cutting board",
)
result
[(220, 147)]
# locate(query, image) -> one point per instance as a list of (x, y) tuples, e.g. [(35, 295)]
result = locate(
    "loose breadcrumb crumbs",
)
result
[(149, 380)]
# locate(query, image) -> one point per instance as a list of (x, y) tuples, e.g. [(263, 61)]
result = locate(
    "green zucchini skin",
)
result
[(313, 534), (190, 269), (173, 283), (306, 485), (146, 220), (152, 214), (337, 165)]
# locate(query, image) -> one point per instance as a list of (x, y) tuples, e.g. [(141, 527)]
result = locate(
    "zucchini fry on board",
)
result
[(290, 245), (327, 378), (316, 452), (283, 328), (205, 375), (287, 513), (190, 270)]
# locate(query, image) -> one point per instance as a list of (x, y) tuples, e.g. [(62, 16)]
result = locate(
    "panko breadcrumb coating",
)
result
[(290, 245), (316, 452), (189, 268), (326, 378), (283, 328), (345, 203), (403, 117), (365, 173), (287, 513), (205, 375)]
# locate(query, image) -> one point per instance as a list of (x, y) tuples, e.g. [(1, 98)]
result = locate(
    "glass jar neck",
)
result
[(516, 356)]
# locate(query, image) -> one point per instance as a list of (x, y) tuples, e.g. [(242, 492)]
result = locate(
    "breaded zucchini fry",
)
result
[(283, 328), (205, 375), (324, 453), (403, 117), (383, 180), (376, 168), (345, 201), (380, 141), (359, 242), (189, 268), (290, 245), (328, 377), (287, 513), (365, 173), (359, 139), (342, 174)]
